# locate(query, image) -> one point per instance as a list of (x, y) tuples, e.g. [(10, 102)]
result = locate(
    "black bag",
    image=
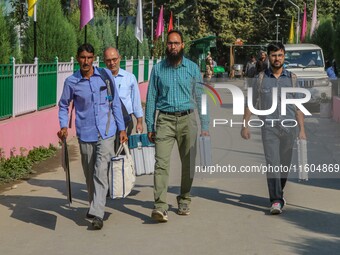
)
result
[(110, 91)]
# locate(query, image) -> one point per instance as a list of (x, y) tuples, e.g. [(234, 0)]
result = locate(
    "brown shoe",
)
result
[(160, 216)]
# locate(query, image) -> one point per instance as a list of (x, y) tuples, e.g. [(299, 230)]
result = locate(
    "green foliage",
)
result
[(323, 36), (55, 36), (18, 167), (337, 39), (105, 25), (74, 19), (5, 51), (41, 153), (128, 43)]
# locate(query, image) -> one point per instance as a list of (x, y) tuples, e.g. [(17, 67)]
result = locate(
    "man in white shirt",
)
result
[(128, 90)]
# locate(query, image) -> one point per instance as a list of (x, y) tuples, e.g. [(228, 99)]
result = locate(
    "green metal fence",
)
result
[(6, 91), (135, 68), (146, 69), (47, 85), (123, 64)]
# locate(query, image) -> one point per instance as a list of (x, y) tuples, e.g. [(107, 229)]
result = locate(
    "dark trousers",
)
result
[(278, 146)]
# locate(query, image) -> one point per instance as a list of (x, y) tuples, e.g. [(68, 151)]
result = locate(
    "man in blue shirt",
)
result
[(96, 124), (278, 139), (175, 90), (127, 89)]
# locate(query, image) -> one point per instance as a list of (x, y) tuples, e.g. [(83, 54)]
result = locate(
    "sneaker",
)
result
[(89, 216), (160, 216), (183, 209), (97, 223), (276, 208)]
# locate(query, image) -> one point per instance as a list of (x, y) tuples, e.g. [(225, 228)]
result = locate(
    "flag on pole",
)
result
[(314, 20), (31, 4), (86, 12), (139, 22), (171, 25), (160, 24), (304, 25), (291, 32)]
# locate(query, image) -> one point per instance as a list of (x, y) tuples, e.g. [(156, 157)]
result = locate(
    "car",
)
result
[(307, 62)]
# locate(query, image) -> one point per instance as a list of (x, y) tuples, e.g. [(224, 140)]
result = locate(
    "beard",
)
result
[(174, 58), (277, 66)]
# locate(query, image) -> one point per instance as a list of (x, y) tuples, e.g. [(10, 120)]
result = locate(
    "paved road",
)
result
[(229, 211)]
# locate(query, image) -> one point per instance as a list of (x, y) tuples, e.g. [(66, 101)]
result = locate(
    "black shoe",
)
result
[(97, 223), (88, 215)]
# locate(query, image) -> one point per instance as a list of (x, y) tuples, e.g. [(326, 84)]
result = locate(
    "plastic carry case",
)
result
[(302, 159), (205, 150), (143, 154)]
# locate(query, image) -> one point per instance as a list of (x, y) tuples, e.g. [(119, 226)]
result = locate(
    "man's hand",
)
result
[(302, 135), (62, 133), (123, 136), (139, 128), (205, 133), (151, 136), (245, 133)]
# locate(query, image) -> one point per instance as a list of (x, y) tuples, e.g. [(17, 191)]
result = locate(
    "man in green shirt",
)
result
[(175, 89)]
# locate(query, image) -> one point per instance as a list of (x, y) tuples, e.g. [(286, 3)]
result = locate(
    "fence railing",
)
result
[(26, 88)]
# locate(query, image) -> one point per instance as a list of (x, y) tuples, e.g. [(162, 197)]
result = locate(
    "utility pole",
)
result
[(277, 27)]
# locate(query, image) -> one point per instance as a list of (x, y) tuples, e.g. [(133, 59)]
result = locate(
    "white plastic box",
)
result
[(143, 154), (302, 159)]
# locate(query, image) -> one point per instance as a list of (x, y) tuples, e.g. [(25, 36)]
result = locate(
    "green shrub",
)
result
[(18, 167)]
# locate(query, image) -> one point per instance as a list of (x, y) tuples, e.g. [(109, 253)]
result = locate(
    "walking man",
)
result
[(175, 90), (127, 89), (278, 140), (97, 120)]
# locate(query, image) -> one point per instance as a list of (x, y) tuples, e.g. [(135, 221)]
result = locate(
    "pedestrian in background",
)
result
[(262, 63), (209, 67), (250, 70), (175, 90), (95, 127), (127, 89)]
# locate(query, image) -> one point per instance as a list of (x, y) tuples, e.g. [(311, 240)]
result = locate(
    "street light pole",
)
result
[(277, 27), (298, 21)]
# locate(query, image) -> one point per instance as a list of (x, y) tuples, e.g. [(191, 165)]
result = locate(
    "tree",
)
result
[(55, 35), (323, 35), (5, 51), (337, 39)]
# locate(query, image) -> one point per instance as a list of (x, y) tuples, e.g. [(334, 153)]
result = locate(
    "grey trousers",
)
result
[(278, 149), (95, 158)]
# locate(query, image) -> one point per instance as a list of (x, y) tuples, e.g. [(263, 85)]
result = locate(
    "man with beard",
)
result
[(278, 140), (97, 120), (175, 90)]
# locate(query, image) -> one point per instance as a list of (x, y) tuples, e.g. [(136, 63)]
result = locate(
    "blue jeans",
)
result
[(278, 149)]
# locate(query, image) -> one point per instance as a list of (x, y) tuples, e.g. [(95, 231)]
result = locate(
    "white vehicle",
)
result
[(307, 62)]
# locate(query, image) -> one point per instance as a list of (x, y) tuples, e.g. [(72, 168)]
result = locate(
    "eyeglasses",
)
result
[(112, 59), (174, 43), (277, 55)]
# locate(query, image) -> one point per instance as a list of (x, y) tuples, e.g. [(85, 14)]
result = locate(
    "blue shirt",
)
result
[(129, 92), (174, 89), (330, 73), (268, 83), (91, 106)]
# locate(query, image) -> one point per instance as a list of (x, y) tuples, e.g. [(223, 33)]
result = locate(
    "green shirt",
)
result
[(174, 89)]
